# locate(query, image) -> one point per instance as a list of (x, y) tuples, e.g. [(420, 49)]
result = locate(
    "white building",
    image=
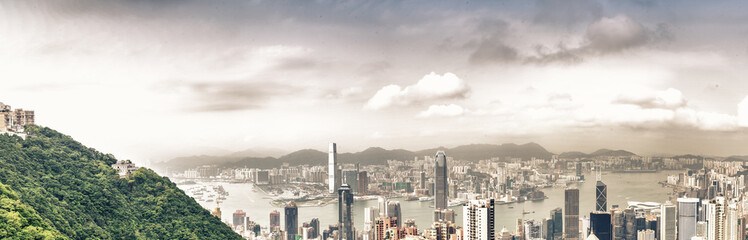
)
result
[(478, 220), (667, 221)]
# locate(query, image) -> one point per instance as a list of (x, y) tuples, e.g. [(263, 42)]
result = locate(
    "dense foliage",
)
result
[(75, 191), (19, 221)]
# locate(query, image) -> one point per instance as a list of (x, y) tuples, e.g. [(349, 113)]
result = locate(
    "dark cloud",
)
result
[(493, 51), (215, 96), (615, 34), (567, 13)]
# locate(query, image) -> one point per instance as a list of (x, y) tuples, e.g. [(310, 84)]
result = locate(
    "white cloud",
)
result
[(430, 88), (449, 110), (667, 99), (743, 112)]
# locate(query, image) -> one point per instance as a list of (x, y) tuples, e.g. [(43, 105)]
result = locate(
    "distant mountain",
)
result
[(736, 159), (258, 152), (611, 153), (599, 153), (370, 156), (573, 155)]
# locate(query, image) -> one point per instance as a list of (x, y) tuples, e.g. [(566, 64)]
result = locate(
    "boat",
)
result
[(425, 199)]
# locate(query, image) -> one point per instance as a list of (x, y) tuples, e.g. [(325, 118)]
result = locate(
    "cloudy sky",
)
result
[(151, 79)]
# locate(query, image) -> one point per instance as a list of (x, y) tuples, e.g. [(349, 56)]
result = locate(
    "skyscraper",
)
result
[(333, 177), (601, 226), (715, 217), (423, 180), (238, 218), (571, 217), (601, 198), (275, 221), (350, 177), (345, 218), (478, 220), (558, 223), (440, 181), (687, 212), (315, 225), (292, 220), (393, 210), (667, 221), (363, 183)]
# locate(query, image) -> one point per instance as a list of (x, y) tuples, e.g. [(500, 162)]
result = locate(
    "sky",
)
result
[(149, 80)]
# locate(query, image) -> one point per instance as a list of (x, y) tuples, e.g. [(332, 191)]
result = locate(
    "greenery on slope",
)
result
[(75, 191), (19, 221)]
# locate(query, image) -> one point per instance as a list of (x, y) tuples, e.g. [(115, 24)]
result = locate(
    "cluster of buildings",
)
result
[(706, 204), (14, 120)]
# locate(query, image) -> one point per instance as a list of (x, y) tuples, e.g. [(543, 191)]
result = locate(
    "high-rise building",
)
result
[(440, 181), (646, 235), (275, 221), (315, 225), (363, 183), (732, 224), (688, 209), (571, 217), (715, 217), (292, 220), (382, 225), (350, 177), (441, 230), (238, 218), (422, 180), (478, 220), (333, 177), (444, 215), (601, 198), (630, 228), (619, 224), (667, 221), (345, 217), (601, 226), (393, 210), (558, 223)]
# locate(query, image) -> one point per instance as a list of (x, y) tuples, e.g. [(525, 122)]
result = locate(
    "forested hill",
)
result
[(52, 187)]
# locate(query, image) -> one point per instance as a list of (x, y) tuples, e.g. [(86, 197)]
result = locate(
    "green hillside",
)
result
[(77, 195)]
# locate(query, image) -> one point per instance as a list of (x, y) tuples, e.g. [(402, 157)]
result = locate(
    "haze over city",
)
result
[(150, 80)]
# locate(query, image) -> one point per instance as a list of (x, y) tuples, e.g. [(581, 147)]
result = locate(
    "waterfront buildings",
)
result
[(238, 218)]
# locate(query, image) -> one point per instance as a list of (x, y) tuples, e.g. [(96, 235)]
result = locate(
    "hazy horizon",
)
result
[(151, 80)]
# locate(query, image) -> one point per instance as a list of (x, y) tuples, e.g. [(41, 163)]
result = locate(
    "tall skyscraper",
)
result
[(667, 221), (601, 226), (292, 220), (688, 210), (440, 181), (315, 225), (423, 180), (333, 176), (601, 198), (715, 217), (275, 221), (238, 218), (393, 210), (350, 177), (345, 218), (619, 224), (363, 183), (571, 217), (558, 223), (478, 220)]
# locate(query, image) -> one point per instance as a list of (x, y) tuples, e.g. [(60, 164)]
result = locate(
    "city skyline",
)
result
[(205, 78)]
